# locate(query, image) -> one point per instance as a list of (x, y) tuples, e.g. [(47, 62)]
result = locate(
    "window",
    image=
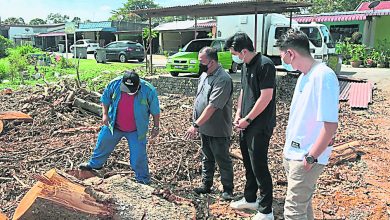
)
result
[(314, 35), (340, 32), (196, 46), (113, 45), (280, 30), (217, 45), (79, 42)]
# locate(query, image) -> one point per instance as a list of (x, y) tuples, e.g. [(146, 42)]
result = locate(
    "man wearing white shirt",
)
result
[(311, 126)]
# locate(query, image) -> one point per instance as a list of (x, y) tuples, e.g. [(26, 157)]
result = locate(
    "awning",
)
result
[(208, 24), (330, 18), (112, 29), (345, 16), (54, 34)]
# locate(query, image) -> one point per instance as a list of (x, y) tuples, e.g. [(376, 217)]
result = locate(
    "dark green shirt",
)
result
[(257, 75), (216, 90)]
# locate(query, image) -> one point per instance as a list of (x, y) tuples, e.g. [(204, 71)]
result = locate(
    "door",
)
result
[(110, 51), (224, 56)]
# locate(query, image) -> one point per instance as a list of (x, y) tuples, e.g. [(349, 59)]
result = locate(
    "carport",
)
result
[(230, 8)]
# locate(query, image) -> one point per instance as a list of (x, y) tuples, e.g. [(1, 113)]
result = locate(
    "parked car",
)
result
[(88, 43), (186, 61), (124, 51)]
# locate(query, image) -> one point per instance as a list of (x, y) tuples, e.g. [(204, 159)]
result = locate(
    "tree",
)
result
[(57, 18), (322, 6), (206, 1), (14, 20), (4, 45), (147, 38), (37, 21), (76, 20), (124, 11)]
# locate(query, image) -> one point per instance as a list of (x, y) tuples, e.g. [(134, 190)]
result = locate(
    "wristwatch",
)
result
[(248, 120), (195, 125), (310, 159)]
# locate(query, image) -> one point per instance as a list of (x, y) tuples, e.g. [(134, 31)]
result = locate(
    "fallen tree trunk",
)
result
[(345, 152), (55, 197), (89, 106)]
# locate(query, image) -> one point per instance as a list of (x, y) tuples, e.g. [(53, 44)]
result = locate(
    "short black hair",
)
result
[(294, 39), (211, 53), (240, 41)]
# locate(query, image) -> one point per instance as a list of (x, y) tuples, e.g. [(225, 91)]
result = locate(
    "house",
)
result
[(372, 23), (174, 35)]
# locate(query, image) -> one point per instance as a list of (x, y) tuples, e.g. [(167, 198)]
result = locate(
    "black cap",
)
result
[(130, 82)]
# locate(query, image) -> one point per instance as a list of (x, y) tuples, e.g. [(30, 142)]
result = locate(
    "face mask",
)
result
[(203, 67), (236, 59), (286, 66)]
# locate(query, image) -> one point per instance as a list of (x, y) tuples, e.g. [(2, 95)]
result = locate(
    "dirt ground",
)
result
[(357, 189)]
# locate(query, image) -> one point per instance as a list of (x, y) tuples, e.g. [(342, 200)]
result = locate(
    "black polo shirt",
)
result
[(257, 75)]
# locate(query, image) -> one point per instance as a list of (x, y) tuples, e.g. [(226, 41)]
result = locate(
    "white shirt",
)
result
[(315, 101)]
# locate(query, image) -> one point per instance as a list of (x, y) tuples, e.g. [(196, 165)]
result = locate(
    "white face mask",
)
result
[(236, 59)]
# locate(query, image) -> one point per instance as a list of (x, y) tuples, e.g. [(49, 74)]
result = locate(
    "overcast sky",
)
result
[(95, 10)]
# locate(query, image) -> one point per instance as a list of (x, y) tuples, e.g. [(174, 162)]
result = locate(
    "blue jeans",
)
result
[(138, 158)]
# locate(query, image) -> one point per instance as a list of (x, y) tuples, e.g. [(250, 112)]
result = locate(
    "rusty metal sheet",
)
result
[(15, 115)]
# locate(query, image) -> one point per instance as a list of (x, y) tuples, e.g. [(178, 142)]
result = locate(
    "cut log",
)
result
[(349, 154), (345, 146), (55, 197), (1, 126), (89, 106), (3, 216), (15, 115)]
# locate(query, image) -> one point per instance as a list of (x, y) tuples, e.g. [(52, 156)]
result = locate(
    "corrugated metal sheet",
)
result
[(207, 24), (360, 94), (382, 5), (340, 16), (344, 90)]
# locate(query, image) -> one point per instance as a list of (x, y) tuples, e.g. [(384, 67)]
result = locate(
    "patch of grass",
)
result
[(92, 74)]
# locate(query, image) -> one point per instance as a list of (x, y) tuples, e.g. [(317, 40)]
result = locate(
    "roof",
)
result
[(229, 8), (340, 16), (383, 5), (91, 25), (183, 25), (53, 34)]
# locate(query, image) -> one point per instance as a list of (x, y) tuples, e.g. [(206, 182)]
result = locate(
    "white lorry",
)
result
[(321, 42)]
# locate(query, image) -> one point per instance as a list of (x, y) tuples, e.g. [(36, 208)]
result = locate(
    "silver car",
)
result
[(88, 43)]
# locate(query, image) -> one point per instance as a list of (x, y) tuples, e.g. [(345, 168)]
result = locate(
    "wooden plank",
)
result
[(15, 115)]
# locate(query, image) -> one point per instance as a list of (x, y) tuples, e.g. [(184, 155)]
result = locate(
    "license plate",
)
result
[(178, 67), (137, 49)]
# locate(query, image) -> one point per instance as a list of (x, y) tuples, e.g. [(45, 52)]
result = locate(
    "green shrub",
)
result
[(4, 45), (4, 69), (18, 63), (24, 50)]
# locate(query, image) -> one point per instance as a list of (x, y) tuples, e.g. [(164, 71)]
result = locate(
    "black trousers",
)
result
[(216, 149), (254, 150)]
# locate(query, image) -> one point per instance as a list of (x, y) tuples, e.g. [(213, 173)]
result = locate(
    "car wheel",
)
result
[(174, 73), (122, 58), (141, 60), (233, 68), (95, 55)]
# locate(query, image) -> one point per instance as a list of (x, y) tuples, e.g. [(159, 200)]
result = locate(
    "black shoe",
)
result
[(202, 190), (86, 166), (227, 196)]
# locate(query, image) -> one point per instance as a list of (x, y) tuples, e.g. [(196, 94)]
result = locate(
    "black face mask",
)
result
[(203, 67)]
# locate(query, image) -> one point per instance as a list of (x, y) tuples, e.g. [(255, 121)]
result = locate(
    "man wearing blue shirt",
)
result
[(127, 103)]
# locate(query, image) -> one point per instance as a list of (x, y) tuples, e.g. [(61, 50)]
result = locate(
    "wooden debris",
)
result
[(236, 153), (3, 216), (1, 126), (55, 197), (345, 152), (15, 115), (89, 106)]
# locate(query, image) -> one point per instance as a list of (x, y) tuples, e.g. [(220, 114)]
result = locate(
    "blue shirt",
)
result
[(145, 103)]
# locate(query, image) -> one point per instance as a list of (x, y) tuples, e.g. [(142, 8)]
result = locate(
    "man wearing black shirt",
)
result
[(255, 119)]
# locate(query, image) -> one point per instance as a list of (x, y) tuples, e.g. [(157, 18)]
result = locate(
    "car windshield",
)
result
[(314, 35), (195, 46)]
